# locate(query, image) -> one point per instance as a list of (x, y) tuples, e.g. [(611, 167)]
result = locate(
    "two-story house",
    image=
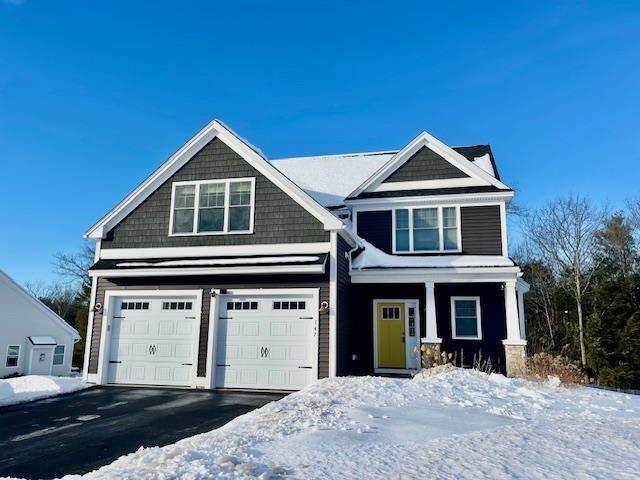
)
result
[(224, 269)]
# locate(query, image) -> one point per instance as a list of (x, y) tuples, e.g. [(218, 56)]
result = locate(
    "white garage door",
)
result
[(153, 340), (266, 341)]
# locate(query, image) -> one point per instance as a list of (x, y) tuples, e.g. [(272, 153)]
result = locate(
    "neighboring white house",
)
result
[(33, 339)]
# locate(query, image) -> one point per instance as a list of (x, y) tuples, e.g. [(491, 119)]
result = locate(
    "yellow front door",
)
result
[(391, 346)]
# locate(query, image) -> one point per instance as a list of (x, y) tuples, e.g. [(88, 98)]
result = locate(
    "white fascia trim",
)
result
[(428, 184), (492, 198), (39, 305), (444, 275), (173, 272), (522, 286), (216, 251), (446, 152), (212, 130)]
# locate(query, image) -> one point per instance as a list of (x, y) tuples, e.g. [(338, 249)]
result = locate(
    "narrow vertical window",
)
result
[(239, 206), (183, 208), (211, 207), (58, 355), (450, 228), (425, 229), (13, 355), (402, 230)]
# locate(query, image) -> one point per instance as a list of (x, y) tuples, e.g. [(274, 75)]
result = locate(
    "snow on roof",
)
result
[(330, 178), (42, 340), (373, 257), (484, 162)]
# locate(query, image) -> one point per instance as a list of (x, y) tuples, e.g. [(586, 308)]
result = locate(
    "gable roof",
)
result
[(251, 154), (479, 175), (37, 304), (329, 179)]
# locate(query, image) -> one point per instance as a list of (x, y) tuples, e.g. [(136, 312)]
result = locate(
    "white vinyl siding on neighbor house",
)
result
[(212, 207), (13, 356), (465, 318), (426, 230), (58, 355)]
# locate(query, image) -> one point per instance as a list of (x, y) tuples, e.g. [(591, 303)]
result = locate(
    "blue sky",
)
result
[(95, 95)]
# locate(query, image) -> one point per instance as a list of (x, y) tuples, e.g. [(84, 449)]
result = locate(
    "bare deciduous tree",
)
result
[(563, 234), (75, 266), (58, 297)]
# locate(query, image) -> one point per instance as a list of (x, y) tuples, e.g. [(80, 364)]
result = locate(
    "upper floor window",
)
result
[(212, 207), (433, 229)]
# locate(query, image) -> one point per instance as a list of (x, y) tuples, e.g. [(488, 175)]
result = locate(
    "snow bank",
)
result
[(34, 387), (373, 257), (454, 424)]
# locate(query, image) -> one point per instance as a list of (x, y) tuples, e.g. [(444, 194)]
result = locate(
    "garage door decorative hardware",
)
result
[(187, 364), (226, 318), (115, 361), (119, 317), (222, 365), (305, 367), (190, 318), (305, 318), (264, 352), (153, 349)]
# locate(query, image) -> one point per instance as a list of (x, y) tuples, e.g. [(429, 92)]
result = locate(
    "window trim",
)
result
[(196, 206), (6, 358), (53, 357), (454, 334), (439, 208)]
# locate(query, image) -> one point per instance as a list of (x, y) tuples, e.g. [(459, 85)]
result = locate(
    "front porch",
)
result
[(469, 318)]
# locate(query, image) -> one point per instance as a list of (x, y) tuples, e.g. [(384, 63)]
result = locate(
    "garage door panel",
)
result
[(152, 345), (265, 347)]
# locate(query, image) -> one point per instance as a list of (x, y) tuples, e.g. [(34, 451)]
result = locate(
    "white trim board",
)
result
[(215, 251), (426, 140), (182, 271), (214, 129)]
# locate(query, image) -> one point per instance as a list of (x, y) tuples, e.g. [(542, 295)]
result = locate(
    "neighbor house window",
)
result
[(13, 355), (465, 318), (211, 207), (58, 355), (435, 229)]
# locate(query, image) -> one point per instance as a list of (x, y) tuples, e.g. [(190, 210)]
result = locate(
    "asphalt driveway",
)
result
[(82, 431)]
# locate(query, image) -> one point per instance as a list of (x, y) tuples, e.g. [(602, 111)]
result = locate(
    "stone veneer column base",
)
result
[(515, 358)]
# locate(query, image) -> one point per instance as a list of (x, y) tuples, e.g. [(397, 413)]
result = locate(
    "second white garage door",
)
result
[(267, 341)]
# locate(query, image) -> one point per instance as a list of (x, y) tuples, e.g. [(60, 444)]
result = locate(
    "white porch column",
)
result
[(430, 320), (511, 309), (514, 344), (523, 333)]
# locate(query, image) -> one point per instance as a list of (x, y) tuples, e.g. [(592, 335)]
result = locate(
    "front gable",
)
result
[(427, 164), (277, 217), (215, 152)]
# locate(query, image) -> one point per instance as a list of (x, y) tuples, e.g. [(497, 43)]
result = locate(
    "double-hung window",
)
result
[(58, 355), (13, 355), (465, 318), (433, 229), (212, 207)]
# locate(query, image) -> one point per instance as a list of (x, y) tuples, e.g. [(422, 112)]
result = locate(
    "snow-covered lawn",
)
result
[(34, 387), (455, 424)]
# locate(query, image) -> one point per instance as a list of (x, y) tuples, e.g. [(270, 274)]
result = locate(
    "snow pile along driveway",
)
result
[(455, 424), (34, 387)]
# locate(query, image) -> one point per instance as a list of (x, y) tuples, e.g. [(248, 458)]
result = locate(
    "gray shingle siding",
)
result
[(481, 230), (347, 329), (425, 164), (206, 284), (278, 218)]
